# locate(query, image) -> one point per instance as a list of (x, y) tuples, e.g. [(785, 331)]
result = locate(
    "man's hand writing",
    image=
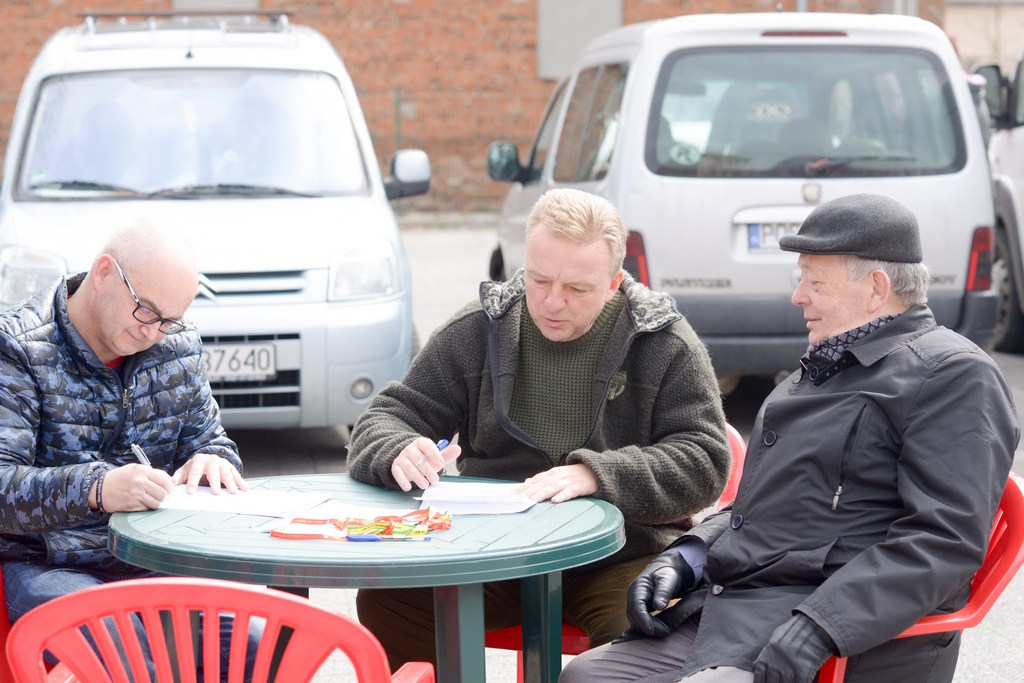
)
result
[(560, 484), (131, 488), (219, 473), (420, 462)]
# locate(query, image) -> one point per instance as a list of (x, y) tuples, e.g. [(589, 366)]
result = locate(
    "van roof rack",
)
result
[(224, 19)]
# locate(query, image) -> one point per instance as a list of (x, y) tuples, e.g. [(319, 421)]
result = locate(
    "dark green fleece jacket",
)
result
[(657, 447)]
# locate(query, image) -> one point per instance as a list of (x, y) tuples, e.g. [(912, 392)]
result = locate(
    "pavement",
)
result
[(991, 652)]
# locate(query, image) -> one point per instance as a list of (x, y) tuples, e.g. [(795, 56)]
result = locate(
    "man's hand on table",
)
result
[(420, 463), (560, 484), (219, 473)]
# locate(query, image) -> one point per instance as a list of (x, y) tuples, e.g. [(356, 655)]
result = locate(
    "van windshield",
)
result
[(191, 133), (803, 112)]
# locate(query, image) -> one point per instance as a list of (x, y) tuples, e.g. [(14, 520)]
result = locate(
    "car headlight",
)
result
[(369, 269), (23, 272)]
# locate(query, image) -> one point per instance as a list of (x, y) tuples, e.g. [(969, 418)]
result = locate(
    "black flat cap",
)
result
[(866, 225)]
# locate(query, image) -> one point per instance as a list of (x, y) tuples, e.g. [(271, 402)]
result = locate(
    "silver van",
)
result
[(717, 134), (244, 132)]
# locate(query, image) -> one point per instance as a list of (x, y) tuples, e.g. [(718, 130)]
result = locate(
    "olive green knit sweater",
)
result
[(553, 398)]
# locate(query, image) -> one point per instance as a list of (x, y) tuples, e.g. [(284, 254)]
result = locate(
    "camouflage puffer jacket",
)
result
[(65, 417)]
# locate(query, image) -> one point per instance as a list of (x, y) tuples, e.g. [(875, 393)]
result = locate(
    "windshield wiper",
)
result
[(187, 191), (83, 186), (829, 164)]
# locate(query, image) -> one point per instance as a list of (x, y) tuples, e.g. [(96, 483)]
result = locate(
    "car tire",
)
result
[(1009, 327)]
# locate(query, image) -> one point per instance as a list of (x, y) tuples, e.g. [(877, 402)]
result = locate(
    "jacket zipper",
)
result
[(851, 441)]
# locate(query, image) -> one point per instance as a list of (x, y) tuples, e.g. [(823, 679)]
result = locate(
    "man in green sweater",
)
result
[(572, 378)]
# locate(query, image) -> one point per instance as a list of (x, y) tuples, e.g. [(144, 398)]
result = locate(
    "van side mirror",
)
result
[(503, 161), (410, 174), (995, 91)]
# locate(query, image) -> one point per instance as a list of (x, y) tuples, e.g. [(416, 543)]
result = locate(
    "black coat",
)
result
[(866, 502)]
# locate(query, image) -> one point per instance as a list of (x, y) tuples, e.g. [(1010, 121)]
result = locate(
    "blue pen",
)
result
[(441, 445)]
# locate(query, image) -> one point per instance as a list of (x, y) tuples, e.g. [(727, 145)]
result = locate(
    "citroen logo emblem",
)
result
[(205, 289)]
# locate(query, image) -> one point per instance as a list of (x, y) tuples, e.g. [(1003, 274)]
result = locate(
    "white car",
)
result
[(1003, 102), (245, 134), (717, 134)]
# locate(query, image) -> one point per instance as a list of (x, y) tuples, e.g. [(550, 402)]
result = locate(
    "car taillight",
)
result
[(979, 270), (636, 258)]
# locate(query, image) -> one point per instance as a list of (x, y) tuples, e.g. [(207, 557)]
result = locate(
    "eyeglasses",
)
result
[(146, 315)]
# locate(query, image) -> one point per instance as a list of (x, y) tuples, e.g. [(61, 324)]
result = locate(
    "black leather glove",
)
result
[(668, 576), (794, 653)]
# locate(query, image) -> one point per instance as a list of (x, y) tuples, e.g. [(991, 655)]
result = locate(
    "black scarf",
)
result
[(831, 349)]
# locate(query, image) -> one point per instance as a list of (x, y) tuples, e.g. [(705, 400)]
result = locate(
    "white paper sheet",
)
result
[(263, 503), (471, 498), (341, 509)]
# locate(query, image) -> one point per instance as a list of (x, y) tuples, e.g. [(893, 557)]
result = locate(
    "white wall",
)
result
[(986, 32)]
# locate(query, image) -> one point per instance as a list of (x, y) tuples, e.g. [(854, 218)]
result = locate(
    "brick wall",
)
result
[(448, 76)]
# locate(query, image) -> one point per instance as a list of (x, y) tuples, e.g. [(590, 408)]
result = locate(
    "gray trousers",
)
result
[(651, 660)]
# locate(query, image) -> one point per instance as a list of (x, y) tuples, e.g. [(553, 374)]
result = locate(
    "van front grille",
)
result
[(282, 390), (283, 380), (255, 400)]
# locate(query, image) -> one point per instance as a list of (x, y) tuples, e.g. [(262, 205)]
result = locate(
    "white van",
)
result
[(244, 133), (716, 134), (1005, 102)]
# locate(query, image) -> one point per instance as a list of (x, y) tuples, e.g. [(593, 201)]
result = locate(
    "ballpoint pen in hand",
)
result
[(140, 455), (441, 445)]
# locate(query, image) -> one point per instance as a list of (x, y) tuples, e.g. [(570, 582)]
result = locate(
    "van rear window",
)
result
[(190, 133), (803, 112)]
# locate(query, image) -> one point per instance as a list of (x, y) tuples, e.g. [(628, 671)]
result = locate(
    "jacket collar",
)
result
[(64, 290), (906, 327), (648, 310)]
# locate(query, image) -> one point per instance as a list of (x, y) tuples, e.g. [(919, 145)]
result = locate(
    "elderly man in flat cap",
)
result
[(871, 481)]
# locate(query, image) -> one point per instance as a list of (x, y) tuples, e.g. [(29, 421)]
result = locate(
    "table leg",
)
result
[(542, 627), (282, 644), (459, 623)]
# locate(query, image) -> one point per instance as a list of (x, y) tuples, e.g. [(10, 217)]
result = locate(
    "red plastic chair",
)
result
[(5, 628), (168, 605), (1004, 557), (574, 640), (739, 454)]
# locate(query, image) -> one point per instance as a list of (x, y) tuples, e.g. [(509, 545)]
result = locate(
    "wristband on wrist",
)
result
[(99, 490)]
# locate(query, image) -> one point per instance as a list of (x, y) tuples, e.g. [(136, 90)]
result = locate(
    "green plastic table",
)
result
[(534, 546)]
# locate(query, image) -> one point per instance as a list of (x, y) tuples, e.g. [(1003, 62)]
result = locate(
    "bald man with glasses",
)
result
[(103, 408)]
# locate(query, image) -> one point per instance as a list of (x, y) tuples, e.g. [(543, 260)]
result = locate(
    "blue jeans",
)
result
[(29, 585)]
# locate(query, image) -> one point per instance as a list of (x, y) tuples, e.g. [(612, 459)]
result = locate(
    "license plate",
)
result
[(765, 236), (239, 362)]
